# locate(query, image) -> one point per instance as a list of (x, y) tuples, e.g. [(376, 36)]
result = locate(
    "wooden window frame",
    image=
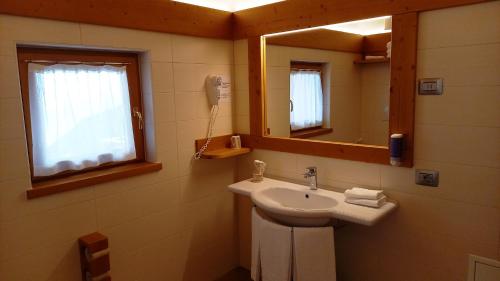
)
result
[(402, 102), (71, 179)]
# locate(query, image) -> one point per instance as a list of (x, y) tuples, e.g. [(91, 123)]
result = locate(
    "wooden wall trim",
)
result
[(297, 14), (152, 15), (363, 153), (322, 39), (257, 79), (402, 102), (403, 85)]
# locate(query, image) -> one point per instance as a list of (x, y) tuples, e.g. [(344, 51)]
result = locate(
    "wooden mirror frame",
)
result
[(402, 102)]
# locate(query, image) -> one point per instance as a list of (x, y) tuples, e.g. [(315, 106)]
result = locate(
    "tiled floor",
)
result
[(237, 274)]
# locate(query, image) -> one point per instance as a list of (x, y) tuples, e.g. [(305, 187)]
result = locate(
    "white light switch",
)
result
[(430, 86)]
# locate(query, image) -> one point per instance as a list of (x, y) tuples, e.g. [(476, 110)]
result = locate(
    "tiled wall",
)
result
[(177, 224), (375, 95), (458, 134)]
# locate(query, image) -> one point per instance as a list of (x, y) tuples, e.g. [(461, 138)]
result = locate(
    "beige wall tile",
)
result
[(462, 183), (242, 105), (13, 159), (158, 44), (11, 118), (166, 136), (9, 86), (56, 262), (460, 145), (162, 77), (243, 124), (439, 28), (30, 30), (164, 108), (478, 65), (13, 203), (241, 78), (187, 49), (278, 77), (52, 227), (461, 105), (186, 105), (241, 52)]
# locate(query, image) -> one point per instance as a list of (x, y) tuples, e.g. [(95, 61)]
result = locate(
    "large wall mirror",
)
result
[(338, 90), (330, 83)]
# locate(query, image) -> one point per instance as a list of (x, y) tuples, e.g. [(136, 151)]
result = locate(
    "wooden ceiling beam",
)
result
[(299, 14), (151, 15)]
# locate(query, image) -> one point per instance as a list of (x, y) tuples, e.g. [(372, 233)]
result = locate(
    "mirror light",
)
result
[(361, 27), (364, 27), (229, 5)]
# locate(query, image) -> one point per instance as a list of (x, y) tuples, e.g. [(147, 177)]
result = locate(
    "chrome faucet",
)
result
[(312, 175)]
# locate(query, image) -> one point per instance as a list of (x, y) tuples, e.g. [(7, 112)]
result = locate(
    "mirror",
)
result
[(330, 83)]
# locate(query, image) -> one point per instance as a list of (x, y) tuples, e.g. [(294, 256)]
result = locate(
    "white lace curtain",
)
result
[(80, 117), (307, 98)]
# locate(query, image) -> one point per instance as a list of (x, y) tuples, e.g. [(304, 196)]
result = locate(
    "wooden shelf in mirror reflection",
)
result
[(310, 132), (220, 148), (369, 61)]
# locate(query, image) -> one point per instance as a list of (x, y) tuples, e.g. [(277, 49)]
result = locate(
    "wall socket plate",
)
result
[(430, 86), (427, 177)]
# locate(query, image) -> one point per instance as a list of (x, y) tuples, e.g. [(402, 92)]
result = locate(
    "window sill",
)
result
[(90, 178), (304, 134)]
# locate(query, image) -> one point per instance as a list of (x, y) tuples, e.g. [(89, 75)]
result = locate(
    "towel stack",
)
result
[(283, 253), (365, 197)]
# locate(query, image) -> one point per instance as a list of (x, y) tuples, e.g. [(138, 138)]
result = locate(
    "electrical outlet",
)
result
[(430, 86), (427, 177)]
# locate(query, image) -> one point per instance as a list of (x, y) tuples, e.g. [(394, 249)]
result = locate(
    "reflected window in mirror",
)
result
[(350, 62), (307, 102)]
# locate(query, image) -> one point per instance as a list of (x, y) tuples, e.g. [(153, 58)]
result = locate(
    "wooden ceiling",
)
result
[(179, 18), (299, 14), (331, 40), (152, 15)]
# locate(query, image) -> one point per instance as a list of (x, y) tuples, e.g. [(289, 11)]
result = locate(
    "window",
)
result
[(82, 110), (306, 96)]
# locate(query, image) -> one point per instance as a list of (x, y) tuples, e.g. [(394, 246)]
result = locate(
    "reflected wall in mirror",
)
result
[(330, 83)]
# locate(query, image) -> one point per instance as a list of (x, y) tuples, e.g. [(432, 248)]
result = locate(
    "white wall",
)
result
[(458, 133), (375, 96), (173, 225)]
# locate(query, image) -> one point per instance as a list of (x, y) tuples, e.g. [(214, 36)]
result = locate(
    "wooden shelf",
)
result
[(372, 61), (220, 148), (225, 153)]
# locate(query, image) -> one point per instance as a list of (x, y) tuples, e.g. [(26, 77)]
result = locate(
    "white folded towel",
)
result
[(313, 254), (363, 193), (367, 202), (255, 267), (274, 252)]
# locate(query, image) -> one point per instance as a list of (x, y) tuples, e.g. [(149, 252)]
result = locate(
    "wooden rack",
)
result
[(220, 147), (369, 61)]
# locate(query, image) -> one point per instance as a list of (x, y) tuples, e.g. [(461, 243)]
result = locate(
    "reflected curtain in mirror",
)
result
[(306, 95)]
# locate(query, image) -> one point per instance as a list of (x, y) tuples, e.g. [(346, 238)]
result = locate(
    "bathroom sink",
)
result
[(300, 207), (297, 205)]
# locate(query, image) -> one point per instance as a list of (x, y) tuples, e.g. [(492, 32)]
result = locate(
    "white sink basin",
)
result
[(297, 205), (301, 207)]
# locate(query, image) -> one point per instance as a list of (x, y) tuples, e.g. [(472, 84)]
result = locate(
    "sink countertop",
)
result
[(344, 211)]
